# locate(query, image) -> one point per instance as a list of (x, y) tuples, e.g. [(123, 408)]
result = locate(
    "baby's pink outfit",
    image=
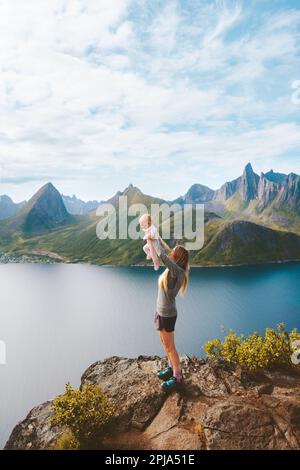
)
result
[(152, 237)]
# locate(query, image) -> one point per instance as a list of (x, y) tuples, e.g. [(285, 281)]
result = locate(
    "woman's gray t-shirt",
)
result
[(166, 300)]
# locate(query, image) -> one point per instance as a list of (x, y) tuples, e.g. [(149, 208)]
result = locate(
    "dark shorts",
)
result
[(165, 323)]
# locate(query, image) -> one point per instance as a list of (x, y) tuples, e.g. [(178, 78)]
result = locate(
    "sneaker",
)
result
[(170, 384), (165, 374)]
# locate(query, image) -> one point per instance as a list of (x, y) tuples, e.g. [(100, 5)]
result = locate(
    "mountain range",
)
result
[(76, 206), (73, 205), (253, 218), (8, 207), (272, 199)]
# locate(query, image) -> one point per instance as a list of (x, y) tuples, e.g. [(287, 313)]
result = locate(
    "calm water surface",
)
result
[(58, 319)]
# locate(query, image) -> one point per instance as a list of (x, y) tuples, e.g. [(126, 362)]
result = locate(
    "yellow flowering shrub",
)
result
[(274, 348), (67, 442), (84, 412)]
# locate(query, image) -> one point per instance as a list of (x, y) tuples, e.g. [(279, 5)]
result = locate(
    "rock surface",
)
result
[(218, 406)]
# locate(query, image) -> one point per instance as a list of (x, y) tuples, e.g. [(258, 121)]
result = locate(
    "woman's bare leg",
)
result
[(172, 354), (165, 349)]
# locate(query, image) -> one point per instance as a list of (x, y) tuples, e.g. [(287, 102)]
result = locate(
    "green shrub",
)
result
[(255, 351), (85, 413), (67, 442)]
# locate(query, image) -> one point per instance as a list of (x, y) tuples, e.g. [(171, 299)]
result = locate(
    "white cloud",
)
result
[(92, 88), (226, 18)]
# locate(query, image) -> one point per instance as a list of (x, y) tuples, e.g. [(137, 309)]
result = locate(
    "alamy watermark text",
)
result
[(177, 222)]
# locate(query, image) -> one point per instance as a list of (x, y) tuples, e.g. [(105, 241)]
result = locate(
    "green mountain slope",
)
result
[(226, 242), (235, 242)]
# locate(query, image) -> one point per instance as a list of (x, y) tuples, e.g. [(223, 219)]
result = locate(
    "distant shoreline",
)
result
[(53, 258)]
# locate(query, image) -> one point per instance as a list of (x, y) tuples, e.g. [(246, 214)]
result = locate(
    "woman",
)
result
[(173, 280)]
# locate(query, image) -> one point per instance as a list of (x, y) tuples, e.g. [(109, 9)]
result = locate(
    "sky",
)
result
[(97, 94)]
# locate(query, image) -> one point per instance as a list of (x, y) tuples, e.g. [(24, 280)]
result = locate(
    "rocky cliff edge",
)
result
[(218, 406)]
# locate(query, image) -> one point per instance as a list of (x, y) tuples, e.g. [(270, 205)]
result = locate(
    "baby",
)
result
[(152, 237)]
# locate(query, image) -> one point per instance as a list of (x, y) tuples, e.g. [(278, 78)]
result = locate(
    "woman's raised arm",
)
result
[(174, 269), (165, 245)]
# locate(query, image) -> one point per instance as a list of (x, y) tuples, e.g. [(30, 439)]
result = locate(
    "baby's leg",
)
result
[(153, 255), (157, 246), (147, 251)]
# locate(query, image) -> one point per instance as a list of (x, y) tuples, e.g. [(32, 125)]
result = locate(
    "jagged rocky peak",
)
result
[(226, 190), (49, 200), (267, 191), (276, 177), (45, 210), (282, 190), (290, 193), (248, 185)]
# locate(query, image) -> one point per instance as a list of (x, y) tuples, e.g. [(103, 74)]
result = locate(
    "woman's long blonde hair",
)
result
[(180, 256)]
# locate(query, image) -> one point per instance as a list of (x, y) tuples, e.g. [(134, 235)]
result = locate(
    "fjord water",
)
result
[(56, 320)]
